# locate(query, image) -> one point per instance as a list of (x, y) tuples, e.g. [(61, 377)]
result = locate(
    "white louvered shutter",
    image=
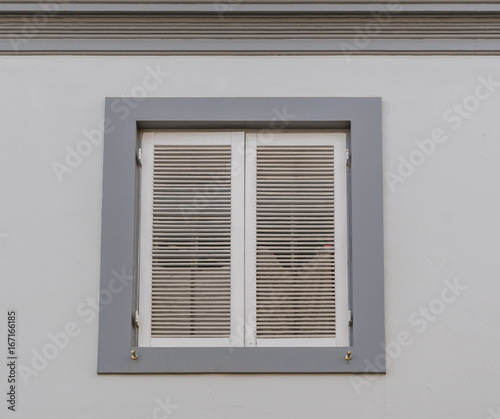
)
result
[(243, 240), (296, 243), (192, 261)]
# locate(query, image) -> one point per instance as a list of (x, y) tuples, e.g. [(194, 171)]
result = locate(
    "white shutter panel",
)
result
[(300, 260), (192, 240)]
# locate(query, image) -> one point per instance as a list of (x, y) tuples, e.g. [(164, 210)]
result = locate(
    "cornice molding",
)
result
[(251, 6), (54, 30)]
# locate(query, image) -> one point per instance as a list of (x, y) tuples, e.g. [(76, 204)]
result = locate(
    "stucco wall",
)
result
[(441, 232)]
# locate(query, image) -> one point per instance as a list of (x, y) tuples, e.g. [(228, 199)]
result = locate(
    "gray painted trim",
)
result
[(363, 117), (136, 47)]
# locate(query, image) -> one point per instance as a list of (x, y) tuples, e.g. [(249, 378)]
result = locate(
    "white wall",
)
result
[(441, 223)]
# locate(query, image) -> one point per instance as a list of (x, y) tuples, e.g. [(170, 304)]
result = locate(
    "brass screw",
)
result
[(134, 355), (348, 356)]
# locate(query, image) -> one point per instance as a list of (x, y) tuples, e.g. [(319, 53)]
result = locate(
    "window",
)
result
[(219, 203), (243, 239)]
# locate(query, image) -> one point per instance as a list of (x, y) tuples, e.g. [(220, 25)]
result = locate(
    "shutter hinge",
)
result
[(136, 319), (138, 157), (349, 322), (348, 158)]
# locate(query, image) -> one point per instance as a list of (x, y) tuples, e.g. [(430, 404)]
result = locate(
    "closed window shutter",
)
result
[(241, 240), (295, 231), (194, 255)]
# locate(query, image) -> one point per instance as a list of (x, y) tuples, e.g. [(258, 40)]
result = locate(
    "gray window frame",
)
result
[(361, 118)]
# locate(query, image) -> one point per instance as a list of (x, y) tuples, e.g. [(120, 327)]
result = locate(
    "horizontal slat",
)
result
[(181, 276)]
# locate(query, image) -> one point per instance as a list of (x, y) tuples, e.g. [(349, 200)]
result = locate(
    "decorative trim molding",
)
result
[(393, 30), (239, 6)]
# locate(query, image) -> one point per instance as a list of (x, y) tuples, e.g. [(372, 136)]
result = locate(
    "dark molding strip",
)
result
[(266, 47), (390, 32), (246, 6)]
